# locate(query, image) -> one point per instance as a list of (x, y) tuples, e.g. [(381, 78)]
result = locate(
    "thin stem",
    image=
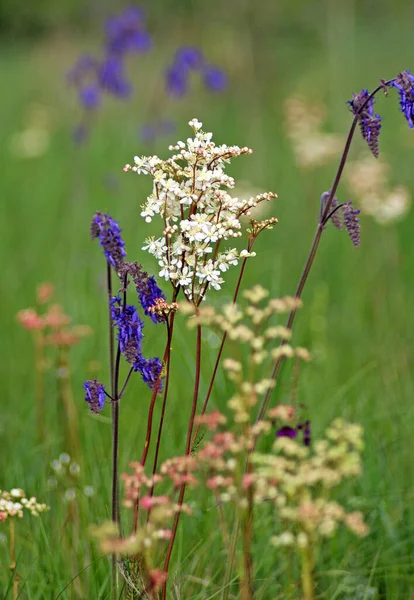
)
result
[(40, 385), (187, 453), (115, 432), (223, 341), (13, 559), (307, 573), (170, 329), (308, 265), (230, 559), (247, 524), (121, 393), (149, 431)]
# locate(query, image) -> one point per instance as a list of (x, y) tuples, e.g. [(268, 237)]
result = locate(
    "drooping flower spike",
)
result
[(405, 86), (362, 106), (95, 395)]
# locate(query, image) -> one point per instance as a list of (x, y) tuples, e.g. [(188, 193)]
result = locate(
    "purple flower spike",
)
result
[(129, 330), (147, 288), (405, 86), (369, 123), (351, 223), (95, 395), (109, 234)]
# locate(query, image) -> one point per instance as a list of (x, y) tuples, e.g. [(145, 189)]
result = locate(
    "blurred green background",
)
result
[(357, 315)]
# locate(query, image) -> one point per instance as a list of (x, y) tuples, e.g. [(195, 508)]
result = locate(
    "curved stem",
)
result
[(187, 453), (308, 264)]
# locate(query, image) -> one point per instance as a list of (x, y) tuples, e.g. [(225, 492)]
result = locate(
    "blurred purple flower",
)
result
[(292, 432), (126, 32), (176, 81), (189, 57), (112, 77), (90, 96), (215, 79), (86, 65)]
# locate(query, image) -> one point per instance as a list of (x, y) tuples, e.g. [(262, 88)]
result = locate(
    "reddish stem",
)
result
[(164, 404), (187, 453)]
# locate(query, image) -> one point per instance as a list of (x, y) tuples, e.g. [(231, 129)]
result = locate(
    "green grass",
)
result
[(357, 306)]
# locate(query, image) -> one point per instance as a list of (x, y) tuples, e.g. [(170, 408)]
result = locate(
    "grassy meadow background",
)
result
[(358, 305)]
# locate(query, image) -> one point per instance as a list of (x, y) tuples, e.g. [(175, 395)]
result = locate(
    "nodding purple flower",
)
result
[(215, 79), (292, 432), (370, 124), (90, 96), (351, 223), (112, 77), (150, 370), (147, 288), (109, 233), (405, 86), (95, 395)]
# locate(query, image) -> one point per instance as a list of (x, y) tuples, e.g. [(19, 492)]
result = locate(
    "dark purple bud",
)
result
[(287, 431)]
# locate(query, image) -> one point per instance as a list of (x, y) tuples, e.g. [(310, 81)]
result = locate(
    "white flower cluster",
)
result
[(197, 213), (13, 503)]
